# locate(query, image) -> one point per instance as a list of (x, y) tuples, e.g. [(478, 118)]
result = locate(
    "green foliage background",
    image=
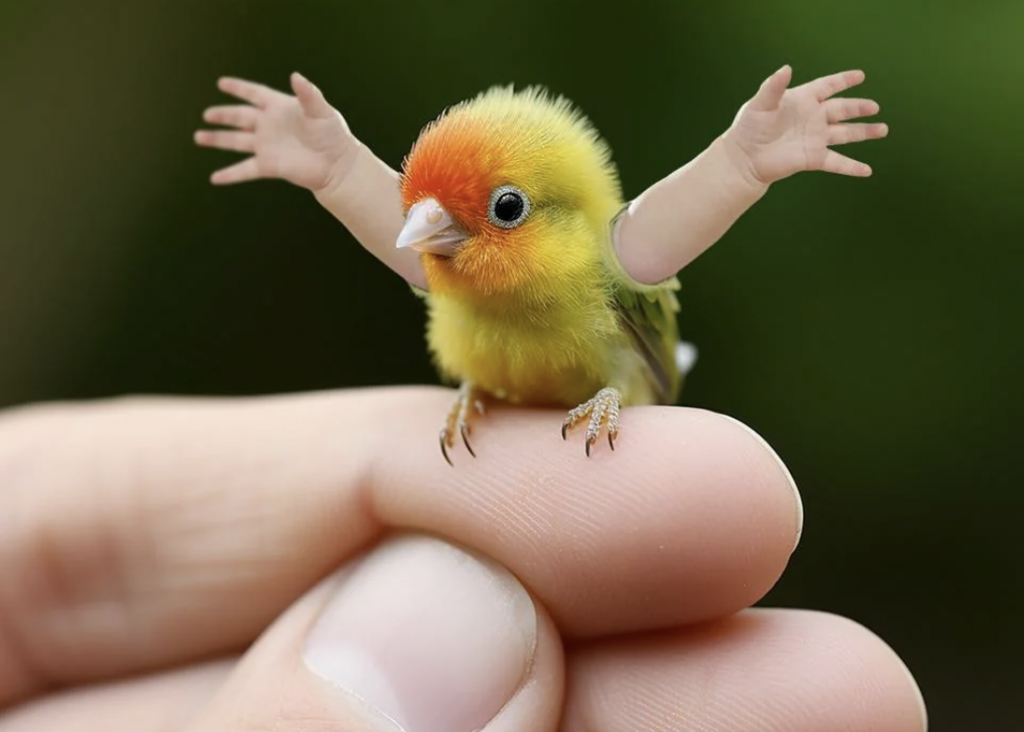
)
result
[(869, 329)]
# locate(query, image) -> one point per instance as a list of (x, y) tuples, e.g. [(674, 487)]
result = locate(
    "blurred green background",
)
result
[(869, 329)]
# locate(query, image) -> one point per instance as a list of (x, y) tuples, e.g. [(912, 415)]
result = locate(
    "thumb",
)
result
[(769, 95), (419, 635), (310, 97)]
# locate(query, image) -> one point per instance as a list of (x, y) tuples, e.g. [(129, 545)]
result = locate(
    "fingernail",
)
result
[(786, 473), (432, 637)]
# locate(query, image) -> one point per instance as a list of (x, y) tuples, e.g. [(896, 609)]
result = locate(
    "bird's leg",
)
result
[(603, 411), (458, 419)]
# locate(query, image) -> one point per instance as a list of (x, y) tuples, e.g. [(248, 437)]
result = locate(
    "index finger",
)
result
[(143, 533)]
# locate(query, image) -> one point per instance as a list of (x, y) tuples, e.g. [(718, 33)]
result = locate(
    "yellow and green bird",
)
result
[(510, 199)]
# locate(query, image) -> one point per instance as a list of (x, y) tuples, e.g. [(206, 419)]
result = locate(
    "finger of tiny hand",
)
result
[(241, 172), (769, 96), (224, 140), (248, 91), (844, 108), (799, 671), (842, 165), (148, 532), (310, 97), (847, 133), (241, 116), (833, 84)]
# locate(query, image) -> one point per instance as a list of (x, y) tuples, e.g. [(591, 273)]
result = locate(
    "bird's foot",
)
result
[(603, 411), (458, 419)]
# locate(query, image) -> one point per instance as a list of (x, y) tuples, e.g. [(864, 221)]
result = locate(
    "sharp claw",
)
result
[(444, 449), (459, 420), (465, 439), (603, 410)]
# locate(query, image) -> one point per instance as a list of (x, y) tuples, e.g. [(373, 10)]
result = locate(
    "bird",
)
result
[(510, 198)]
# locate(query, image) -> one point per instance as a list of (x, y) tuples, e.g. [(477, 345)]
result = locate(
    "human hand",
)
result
[(784, 131), (301, 139), (233, 565)]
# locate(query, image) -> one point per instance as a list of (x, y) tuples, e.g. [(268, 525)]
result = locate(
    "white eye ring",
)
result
[(520, 199)]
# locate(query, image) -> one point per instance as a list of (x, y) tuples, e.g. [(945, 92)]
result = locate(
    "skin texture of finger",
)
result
[(248, 91), (224, 140), (240, 172), (275, 688), (847, 133), (771, 670), (140, 534), (310, 97), (770, 94), (155, 703), (145, 532), (690, 518), (240, 116), (838, 163), (842, 109), (828, 86)]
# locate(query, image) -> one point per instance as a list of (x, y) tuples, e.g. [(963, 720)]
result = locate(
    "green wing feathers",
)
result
[(649, 316)]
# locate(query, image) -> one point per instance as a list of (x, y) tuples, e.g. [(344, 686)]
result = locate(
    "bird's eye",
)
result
[(508, 207)]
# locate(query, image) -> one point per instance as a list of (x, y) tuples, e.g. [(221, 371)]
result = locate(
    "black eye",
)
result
[(508, 207)]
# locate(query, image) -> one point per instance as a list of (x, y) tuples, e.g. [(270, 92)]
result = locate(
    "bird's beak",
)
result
[(429, 228)]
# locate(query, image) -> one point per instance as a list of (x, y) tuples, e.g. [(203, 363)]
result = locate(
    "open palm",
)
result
[(785, 131), (295, 138)]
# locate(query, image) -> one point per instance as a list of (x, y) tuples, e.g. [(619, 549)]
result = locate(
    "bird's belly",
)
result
[(537, 363)]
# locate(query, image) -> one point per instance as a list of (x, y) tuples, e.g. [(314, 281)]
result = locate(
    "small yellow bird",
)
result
[(510, 198)]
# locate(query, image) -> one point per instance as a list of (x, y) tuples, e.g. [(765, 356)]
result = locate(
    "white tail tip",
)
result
[(686, 357)]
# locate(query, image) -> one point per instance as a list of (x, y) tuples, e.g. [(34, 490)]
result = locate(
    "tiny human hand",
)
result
[(301, 139), (305, 561), (783, 131)]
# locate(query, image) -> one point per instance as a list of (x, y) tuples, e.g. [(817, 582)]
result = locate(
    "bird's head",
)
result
[(505, 191)]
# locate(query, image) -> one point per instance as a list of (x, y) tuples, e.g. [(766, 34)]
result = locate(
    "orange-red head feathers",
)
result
[(507, 191)]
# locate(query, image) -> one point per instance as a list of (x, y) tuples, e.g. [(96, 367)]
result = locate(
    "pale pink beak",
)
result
[(429, 228)]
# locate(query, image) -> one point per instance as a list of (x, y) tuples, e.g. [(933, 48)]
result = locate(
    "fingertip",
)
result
[(370, 648), (783, 470), (782, 77), (877, 659)]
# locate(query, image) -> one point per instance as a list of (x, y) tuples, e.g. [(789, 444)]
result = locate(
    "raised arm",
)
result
[(779, 132), (303, 140)]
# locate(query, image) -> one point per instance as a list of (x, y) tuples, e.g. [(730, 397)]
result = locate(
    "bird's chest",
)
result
[(556, 354)]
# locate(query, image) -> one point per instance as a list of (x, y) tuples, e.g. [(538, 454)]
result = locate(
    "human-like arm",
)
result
[(778, 133), (304, 140)]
